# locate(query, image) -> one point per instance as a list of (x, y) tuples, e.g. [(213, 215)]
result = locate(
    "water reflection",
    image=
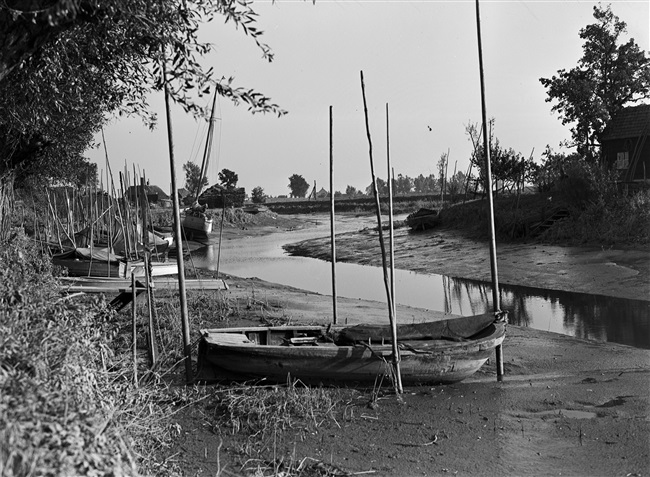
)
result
[(582, 315)]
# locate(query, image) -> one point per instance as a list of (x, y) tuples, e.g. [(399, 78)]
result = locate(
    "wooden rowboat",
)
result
[(194, 222), (95, 262), (431, 353), (423, 219)]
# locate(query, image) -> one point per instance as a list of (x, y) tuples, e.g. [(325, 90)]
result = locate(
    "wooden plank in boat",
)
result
[(228, 339)]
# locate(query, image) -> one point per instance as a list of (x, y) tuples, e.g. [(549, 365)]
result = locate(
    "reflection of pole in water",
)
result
[(447, 292)]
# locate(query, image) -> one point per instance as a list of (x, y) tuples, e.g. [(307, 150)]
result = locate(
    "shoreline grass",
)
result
[(69, 406)]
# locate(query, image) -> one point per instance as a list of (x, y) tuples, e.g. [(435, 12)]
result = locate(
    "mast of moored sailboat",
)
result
[(208, 149), (488, 186)]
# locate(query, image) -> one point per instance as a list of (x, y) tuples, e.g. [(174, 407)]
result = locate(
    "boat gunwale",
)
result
[(407, 347)]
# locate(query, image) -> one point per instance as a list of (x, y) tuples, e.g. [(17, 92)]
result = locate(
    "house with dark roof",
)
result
[(625, 145), (154, 193), (218, 196)]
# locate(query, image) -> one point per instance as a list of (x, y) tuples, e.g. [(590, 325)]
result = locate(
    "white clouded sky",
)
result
[(420, 57)]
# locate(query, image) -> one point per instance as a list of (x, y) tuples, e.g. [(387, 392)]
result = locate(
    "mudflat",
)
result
[(565, 406)]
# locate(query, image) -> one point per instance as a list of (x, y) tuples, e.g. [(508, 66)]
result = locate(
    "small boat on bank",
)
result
[(423, 219), (255, 208), (100, 262), (196, 220), (87, 261), (438, 352)]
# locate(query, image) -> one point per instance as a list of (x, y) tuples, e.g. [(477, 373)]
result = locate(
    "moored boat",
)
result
[(440, 352), (255, 208), (196, 222), (86, 261), (423, 219), (100, 262)]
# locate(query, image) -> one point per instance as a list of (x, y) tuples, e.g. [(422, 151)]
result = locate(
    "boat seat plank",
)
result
[(227, 338)]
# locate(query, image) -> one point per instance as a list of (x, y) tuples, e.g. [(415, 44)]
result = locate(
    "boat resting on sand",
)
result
[(96, 262), (196, 220), (423, 219), (438, 352)]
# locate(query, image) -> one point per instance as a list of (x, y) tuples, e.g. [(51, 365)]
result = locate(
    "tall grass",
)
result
[(67, 405), (621, 220), (271, 419)]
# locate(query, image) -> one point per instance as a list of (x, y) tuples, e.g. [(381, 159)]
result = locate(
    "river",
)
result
[(582, 315)]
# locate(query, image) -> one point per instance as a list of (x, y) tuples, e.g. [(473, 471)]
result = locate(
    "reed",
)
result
[(69, 405), (67, 402), (271, 418)]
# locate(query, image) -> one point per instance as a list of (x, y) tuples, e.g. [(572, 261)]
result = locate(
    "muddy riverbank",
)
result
[(566, 406), (622, 272)]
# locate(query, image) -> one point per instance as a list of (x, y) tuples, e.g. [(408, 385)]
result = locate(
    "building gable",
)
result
[(624, 144), (628, 123)]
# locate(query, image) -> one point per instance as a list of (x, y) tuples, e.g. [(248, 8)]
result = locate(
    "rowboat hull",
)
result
[(248, 356), (85, 262), (87, 268), (193, 223), (423, 219)]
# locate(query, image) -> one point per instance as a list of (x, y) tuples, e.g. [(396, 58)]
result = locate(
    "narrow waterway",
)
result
[(582, 315)]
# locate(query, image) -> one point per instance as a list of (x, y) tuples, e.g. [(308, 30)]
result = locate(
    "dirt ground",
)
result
[(565, 407)]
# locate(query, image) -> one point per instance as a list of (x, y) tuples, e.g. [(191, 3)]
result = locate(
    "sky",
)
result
[(418, 56)]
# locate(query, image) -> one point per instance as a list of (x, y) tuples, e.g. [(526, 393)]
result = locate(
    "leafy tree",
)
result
[(609, 75), (382, 187), (508, 166), (456, 184), (425, 185), (228, 179), (403, 184), (193, 179), (258, 196), (351, 191), (551, 170), (66, 65), (50, 109), (298, 186)]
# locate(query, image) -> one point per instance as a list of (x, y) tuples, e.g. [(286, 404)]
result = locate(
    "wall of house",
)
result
[(614, 156)]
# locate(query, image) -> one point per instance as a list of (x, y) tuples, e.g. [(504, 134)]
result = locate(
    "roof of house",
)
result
[(212, 191), (629, 122), (154, 189), (149, 189)]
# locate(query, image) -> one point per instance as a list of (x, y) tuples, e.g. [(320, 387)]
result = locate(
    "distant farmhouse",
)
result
[(322, 194), (215, 196), (155, 195), (182, 193), (625, 146)]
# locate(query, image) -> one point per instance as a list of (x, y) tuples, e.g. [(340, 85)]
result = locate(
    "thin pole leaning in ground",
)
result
[(185, 325), (134, 295), (393, 323), (223, 215), (334, 315), (398, 376), (488, 185)]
